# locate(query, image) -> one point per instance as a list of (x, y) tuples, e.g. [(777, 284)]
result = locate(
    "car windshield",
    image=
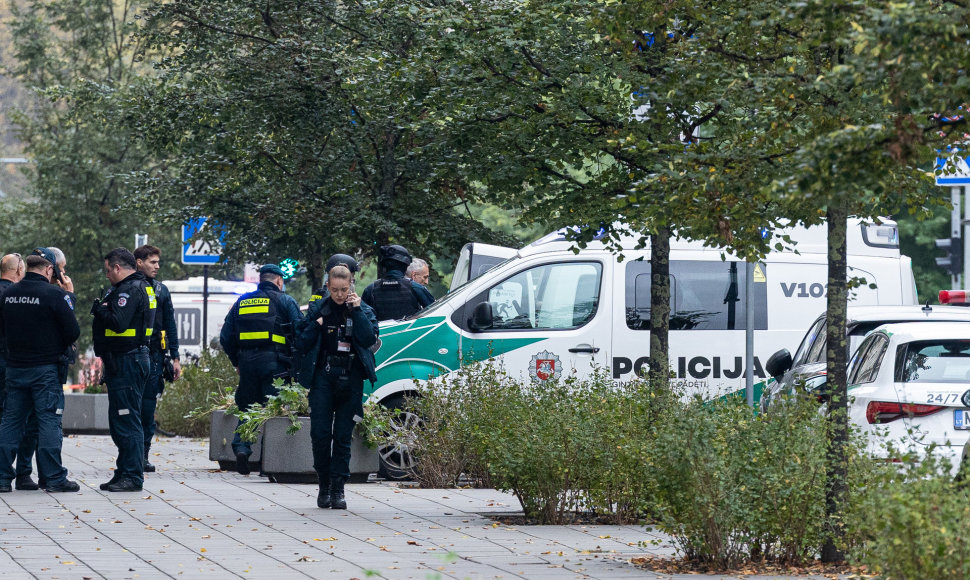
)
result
[(936, 361)]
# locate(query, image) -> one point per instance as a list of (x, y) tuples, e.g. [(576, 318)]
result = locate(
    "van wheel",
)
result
[(396, 461)]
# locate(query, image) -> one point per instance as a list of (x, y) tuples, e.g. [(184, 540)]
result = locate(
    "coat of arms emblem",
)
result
[(545, 366)]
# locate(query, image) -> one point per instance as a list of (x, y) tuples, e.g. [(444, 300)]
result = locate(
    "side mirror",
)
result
[(779, 363), (482, 317)]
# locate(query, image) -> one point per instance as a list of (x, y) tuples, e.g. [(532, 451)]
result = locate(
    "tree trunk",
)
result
[(837, 355), (660, 308)]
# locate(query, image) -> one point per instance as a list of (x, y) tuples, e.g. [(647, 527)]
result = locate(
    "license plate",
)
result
[(961, 418)]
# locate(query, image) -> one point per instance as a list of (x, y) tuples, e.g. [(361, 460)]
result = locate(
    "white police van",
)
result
[(552, 311)]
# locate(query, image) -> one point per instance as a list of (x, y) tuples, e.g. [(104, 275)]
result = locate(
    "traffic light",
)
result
[(953, 261), (289, 267)]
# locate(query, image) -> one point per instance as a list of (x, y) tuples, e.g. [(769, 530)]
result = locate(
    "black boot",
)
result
[(149, 468), (337, 500), (24, 482), (323, 498)]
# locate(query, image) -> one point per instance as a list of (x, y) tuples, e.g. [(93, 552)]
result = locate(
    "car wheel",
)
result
[(396, 460)]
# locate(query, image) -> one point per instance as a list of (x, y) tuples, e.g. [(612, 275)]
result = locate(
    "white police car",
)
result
[(910, 384), (807, 368)]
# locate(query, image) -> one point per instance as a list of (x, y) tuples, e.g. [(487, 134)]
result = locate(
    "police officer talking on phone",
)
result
[(336, 336), (122, 329), (38, 323), (257, 337)]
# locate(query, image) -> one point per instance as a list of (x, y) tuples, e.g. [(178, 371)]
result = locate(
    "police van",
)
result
[(547, 310)]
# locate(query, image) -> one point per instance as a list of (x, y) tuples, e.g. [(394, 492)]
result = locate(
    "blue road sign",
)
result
[(200, 252), (952, 170)]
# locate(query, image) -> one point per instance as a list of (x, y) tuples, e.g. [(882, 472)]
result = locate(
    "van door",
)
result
[(549, 317)]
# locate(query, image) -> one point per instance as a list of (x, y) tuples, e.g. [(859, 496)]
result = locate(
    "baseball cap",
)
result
[(47, 254)]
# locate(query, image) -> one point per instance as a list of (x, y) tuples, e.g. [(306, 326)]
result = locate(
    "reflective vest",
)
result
[(140, 331), (394, 299), (257, 323)]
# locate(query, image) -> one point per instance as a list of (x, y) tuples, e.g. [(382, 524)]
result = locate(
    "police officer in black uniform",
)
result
[(336, 336), (352, 265), (164, 345), (393, 296), (12, 270), (257, 336), (38, 322), (123, 325)]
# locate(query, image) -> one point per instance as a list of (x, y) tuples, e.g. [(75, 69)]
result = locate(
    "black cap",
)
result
[(395, 253), (47, 254), (344, 259), (271, 269)]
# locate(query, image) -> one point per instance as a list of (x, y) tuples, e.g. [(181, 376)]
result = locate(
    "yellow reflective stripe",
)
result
[(152, 301), (253, 335), (129, 332), (315, 297), (254, 310), (148, 331), (279, 339)]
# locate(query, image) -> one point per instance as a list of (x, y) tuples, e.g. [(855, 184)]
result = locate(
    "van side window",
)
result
[(706, 295), (551, 296)]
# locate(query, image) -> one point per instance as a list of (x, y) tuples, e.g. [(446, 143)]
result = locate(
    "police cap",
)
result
[(344, 259), (271, 269)]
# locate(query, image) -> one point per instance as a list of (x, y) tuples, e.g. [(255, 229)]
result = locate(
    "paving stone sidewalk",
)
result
[(194, 521)]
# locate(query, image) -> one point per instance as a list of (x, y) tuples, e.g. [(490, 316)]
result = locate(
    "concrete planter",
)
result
[(221, 433), (289, 458), (85, 414)]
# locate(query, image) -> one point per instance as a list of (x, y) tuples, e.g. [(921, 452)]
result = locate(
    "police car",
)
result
[(807, 369), (909, 385)]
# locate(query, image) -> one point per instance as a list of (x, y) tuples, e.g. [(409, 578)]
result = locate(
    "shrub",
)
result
[(290, 401), (736, 486), (205, 386), (576, 445), (912, 522)]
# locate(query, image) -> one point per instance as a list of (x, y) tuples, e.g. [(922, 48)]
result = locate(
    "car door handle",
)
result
[(589, 349)]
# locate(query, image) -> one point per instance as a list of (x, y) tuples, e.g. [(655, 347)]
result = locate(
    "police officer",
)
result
[(164, 343), (352, 265), (123, 325), (257, 337), (393, 296), (37, 319), (64, 282), (336, 336), (12, 270)]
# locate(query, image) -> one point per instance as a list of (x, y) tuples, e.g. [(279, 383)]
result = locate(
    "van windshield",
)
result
[(437, 304)]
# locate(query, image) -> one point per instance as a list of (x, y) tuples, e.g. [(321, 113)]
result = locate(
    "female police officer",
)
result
[(335, 336)]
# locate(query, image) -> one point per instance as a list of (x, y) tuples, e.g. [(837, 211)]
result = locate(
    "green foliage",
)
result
[(912, 522), (376, 424), (79, 60), (297, 117), (207, 385), (573, 446), (917, 239), (736, 486), (290, 401)]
